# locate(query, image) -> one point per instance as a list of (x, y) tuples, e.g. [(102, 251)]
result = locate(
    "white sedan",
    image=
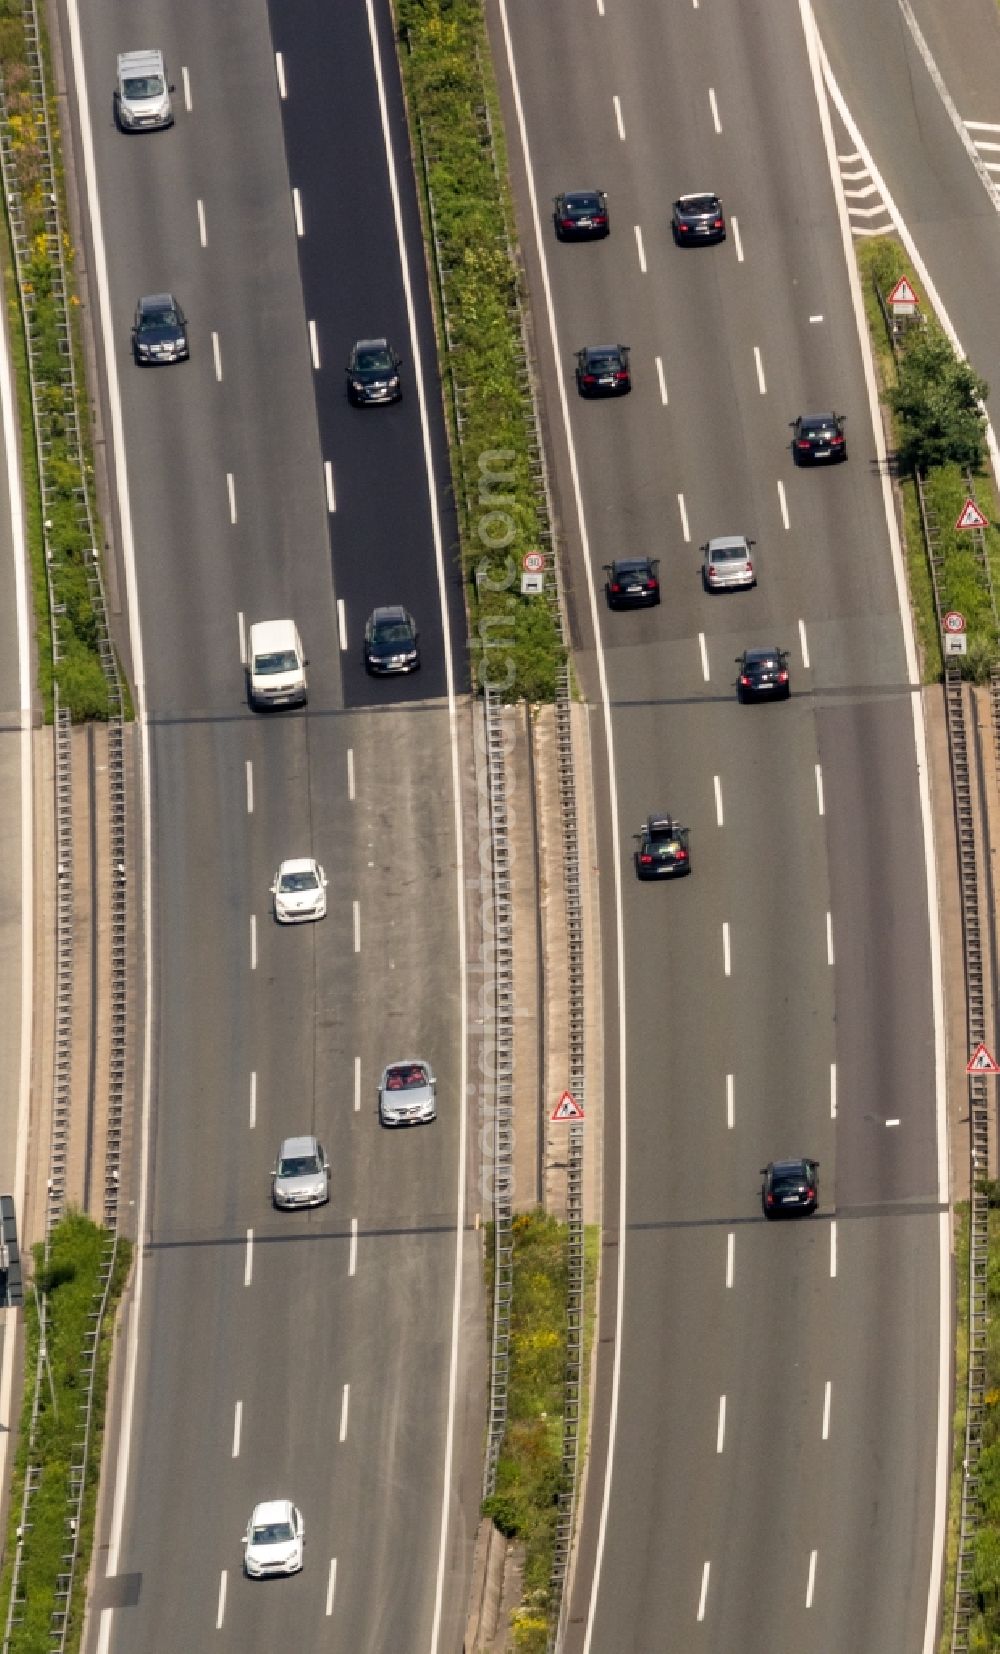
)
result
[(274, 1539), (299, 891)]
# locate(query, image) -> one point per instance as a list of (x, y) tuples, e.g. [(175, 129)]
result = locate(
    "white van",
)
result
[(142, 99), (277, 665)]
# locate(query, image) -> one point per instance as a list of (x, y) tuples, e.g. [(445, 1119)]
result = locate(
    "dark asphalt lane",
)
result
[(246, 1054), (352, 286), (770, 1343)]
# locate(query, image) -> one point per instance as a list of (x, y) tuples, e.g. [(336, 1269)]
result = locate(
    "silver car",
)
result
[(142, 96), (301, 1175), (727, 564), (406, 1093)]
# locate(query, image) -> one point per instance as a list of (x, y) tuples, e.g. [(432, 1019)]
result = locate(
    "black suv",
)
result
[(159, 332), (373, 373)]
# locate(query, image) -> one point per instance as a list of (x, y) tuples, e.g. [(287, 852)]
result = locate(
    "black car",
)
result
[(819, 438), (603, 370), (159, 332), (581, 215), (373, 373), (662, 850), (790, 1188), (632, 582), (763, 675), (391, 640), (698, 218)]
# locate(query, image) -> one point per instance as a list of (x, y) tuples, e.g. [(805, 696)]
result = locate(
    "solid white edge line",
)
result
[(720, 1434), (820, 800), (734, 225), (26, 852), (331, 1586), (783, 504), (186, 83), (341, 624), (940, 87), (730, 1101), (146, 938), (357, 925), (615, 815), (297, 210), (811, 1581), (816, 56), (344, 1401), (331, 498), (730, 1258), (720, 819), (220, 1613), (248, 1261), (237, 1429), (804, 644), (827, 1396), (217, 356), (249, 786), (352, 1258)]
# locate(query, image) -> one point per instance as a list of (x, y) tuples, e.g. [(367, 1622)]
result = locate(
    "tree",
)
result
[(938, 403)]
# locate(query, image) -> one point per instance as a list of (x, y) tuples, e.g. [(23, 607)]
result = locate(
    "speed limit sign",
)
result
[(533, 562), (953, 621)]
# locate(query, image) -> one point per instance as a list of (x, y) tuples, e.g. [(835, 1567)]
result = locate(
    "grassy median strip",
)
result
[(71, 1281), (455, 127), (82, 685), (524, 1506), (881, 262)]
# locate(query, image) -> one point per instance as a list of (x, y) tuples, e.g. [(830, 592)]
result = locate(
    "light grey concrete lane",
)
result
[(725, 445)]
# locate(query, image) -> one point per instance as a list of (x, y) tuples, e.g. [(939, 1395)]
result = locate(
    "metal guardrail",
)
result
[(968, 863), (503, 1116), (57, 404)]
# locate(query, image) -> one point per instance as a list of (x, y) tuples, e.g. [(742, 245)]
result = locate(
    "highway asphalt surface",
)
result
[(287, 1355), (776, 1427)]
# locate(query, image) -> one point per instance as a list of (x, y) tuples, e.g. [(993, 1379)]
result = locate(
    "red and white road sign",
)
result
[(903, 293), (971, 516), (982, 1061), (953, 621), (567, 1108), (533, 562)]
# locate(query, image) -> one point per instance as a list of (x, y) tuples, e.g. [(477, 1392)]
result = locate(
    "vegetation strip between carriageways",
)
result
[(496, 461)]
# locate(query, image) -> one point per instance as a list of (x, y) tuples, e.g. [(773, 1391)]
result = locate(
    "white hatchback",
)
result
[(274, 1539), (299, 891)]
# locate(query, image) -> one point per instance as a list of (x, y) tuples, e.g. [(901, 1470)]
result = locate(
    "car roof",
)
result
[(390, 611), (272, 634), (818, 419), (762, 654), (157, 301), (145, 57), (297, 864), (728, 542), (272, 1510), (661, 824), (602, 350), (631, 562), (371, 344), (790, 1168), (292, 1147), (577, 195), (696, 195)]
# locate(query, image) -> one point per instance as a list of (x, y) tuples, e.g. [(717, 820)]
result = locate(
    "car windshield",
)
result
[(273, 1533), (304, 879), (392, 631), (405, 1076), (144, 86), (299, 1165), (374, 361), (159, 318), (279, 660)]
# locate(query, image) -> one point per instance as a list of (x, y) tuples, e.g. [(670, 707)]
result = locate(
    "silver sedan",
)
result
[(727, 564), (406, 1093), (301, 1175)]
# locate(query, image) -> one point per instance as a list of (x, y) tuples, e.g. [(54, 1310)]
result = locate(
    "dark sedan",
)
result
[(790, 1188), (818, 439), (391, 641), (581, 215), (763, 675), (698, 218), (603, 370), (662, 849), (632, 582), (373, 373), (159, 332)]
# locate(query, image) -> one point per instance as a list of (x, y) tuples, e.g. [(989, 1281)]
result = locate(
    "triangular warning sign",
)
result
[(567, 1108), (971, 516), (903, 293), (982, 1061)]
